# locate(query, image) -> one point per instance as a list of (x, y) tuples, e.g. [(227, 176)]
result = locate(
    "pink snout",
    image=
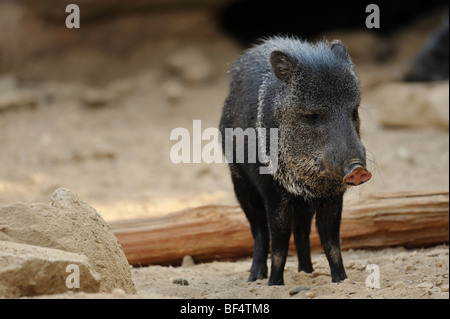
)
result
[(357, 175)]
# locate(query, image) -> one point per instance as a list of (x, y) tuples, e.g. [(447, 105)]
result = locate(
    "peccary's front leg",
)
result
[(302, 218), (328, 222), (280, 221)]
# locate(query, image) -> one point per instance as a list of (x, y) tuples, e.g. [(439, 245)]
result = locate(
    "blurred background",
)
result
[(91, 109)]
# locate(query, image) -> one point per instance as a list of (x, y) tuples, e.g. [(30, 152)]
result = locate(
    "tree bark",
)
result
[(209, 233)]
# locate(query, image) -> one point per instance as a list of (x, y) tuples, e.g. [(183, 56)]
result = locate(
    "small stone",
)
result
[(118, 292), (180, 281), (97, 97), (191, 65), (316, 273), (296, 290), (404, 154), (188, 261), (425, 284), (172, 90), (444, 288), (310, 294), (17, 99), (409, 267), (399, 285)]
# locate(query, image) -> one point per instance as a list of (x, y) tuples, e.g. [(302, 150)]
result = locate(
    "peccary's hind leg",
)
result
[(302, 218), (253, 206), (328, 222)]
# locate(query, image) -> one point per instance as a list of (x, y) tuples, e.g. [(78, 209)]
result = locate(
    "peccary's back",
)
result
[(247, 76)]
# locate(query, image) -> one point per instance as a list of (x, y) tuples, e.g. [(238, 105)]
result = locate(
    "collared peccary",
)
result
[(311, 94), (431, 63)]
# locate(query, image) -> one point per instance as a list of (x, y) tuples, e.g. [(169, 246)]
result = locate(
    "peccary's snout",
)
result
[(357, 174)]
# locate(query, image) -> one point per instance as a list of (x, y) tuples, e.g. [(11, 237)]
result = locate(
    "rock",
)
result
[(69, 224), (310, 294), (296, 290), (13, 99), (172, 90), (188, 261), (28, 270), (444, 288), (117, 292), (191, 65), (425, 284), (94, 98), (404, 154), (413, 105), (180, 281), (399, 285)]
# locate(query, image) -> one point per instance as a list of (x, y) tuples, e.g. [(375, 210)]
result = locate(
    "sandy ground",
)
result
[(111, 146), (421, 273)]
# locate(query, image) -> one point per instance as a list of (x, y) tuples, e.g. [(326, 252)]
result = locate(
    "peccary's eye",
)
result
[(311, 116)]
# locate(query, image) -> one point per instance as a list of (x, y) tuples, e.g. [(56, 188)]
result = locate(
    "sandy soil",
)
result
[(421, 273), (111, 146)]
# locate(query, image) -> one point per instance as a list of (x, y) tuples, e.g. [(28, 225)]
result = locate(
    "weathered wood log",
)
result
[(222, 232)]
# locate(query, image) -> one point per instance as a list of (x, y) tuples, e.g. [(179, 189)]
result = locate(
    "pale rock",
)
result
[(28, 270), (413, 105), (14, 99), (191, 65)]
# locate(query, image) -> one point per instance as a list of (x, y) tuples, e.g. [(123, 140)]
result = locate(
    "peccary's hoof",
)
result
[(257, 272), (357, 175), (275, 282), (338, 277)]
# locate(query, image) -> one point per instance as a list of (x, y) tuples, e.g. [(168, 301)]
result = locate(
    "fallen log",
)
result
[(222, 232)]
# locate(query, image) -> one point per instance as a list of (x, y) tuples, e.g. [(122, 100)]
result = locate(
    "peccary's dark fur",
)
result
[(311, 94), (431, 62)]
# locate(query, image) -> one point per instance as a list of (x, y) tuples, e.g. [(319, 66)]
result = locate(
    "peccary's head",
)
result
[(316, 111)]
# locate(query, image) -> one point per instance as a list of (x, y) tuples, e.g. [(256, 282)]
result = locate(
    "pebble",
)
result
[(172, 90), (319, 273), (17, 99), (188, 261), (399, 285), (118, 292), (444, 288), (404, 154), (310, 294), (296, 290), (191, 65), (94, 98), (425, 284), (180, 281)]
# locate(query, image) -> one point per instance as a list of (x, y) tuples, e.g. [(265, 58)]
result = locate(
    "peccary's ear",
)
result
[(339, 50), (282, 65)]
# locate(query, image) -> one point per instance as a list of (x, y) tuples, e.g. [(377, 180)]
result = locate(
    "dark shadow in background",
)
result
[(249, 20)]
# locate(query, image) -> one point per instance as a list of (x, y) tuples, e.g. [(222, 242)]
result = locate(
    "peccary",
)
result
[(431, 63), (311, 94)]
